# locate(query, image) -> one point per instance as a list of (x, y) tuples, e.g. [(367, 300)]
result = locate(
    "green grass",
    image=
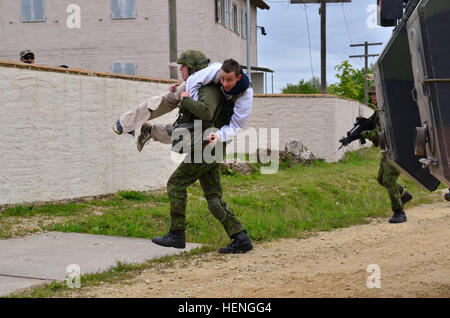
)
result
[(294, 202), (51, 209), (316, 197)]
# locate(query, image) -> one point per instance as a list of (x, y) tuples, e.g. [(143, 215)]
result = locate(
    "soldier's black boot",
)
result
[(241, 244), (398, 217), (447, 195), (175, 239), (406, 197), (144, 137)]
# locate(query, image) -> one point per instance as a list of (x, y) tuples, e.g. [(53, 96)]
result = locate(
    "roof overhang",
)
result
[(261, 4)]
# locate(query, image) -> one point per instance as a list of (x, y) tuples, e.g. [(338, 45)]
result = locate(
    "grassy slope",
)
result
[(294, 202), (301, 198)]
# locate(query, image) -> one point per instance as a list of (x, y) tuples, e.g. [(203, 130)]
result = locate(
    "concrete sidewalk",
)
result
[(42, 258)]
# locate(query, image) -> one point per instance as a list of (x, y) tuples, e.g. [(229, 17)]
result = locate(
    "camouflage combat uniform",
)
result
[(387, 174), (208, 107)]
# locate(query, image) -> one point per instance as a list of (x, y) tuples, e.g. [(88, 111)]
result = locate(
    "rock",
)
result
[(298, 152), (237, 166), (294, 152), (294, 147)]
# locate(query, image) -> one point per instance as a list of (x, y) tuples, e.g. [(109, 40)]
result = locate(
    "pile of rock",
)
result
[(297, 152), (237, 166), (294, 152)]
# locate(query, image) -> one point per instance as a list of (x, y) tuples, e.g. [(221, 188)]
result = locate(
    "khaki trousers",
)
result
[(152, 108)]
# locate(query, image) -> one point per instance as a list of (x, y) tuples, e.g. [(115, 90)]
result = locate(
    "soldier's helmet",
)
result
[(25, 52), (193, 59)]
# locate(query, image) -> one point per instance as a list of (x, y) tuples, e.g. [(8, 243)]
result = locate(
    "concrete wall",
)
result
[(102, 41), (318, 121), (57, 140)]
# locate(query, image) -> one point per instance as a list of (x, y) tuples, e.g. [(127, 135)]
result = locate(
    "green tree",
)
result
[(310, 87), (351, 82)]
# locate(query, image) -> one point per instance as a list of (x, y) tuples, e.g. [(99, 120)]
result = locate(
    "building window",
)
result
[(244, 24), (124, 68), (33, 11), (230, 16), (227, 13), (234, 14), (123, 9), (220, 11), (238, 21)]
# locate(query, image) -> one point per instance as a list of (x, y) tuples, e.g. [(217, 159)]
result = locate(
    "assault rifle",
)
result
[(361, 124)]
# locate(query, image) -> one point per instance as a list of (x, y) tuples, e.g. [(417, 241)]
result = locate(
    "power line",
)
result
[(348, 30), (309, 42)]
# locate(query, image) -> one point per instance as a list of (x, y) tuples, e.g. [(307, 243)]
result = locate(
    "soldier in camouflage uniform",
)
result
[(387, 174), (209, 108)]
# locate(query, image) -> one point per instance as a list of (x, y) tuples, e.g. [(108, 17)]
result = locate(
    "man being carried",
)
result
[(157, 106), (236, 89)]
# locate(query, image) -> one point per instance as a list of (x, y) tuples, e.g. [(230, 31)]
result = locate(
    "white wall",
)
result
[(57, 140), (317, 121)]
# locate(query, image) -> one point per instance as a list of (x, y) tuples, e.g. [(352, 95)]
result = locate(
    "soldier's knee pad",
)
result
[(217, 207)]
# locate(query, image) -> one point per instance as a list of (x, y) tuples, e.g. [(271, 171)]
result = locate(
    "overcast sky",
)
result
[(285, 49)]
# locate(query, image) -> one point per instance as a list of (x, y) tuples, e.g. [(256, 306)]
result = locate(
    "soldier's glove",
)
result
[(365, 134)]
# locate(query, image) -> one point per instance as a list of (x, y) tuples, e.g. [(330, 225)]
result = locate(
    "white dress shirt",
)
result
[(242, 105)]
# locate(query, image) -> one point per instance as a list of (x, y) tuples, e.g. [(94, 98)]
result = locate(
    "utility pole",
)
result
[(323, 37), (249, 53), (366, 64), (323, 46), (173, 48)]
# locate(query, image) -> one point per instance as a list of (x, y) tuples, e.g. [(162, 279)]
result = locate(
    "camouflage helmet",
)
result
[(193, 59), (25, 52)]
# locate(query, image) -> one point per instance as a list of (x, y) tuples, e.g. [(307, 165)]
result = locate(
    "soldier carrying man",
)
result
[(209, 107)]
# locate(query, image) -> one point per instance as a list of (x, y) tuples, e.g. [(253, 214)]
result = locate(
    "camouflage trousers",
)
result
[(387, 177), (209, 176)]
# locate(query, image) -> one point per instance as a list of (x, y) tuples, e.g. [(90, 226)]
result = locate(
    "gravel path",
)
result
[(413, 259)]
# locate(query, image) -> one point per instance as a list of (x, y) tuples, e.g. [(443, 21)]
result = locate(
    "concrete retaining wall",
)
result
[(318, 121), (57, 141)]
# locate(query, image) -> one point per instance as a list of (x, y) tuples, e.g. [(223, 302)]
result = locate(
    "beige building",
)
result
[(125, 36)]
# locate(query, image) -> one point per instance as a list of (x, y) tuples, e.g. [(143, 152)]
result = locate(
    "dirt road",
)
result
[(410, 259)]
